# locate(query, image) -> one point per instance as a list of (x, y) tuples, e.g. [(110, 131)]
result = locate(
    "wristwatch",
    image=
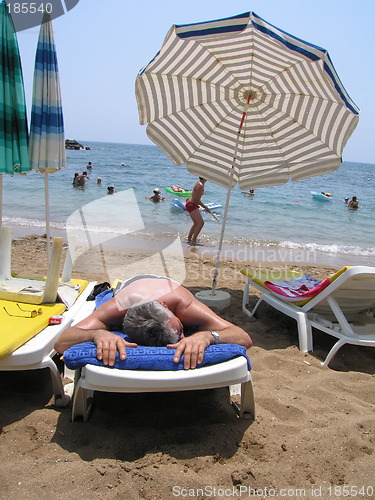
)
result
[(216, 336)]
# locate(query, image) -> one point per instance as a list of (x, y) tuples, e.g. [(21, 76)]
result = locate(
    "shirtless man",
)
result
[(156, 197), (153, 308), (193, 205)]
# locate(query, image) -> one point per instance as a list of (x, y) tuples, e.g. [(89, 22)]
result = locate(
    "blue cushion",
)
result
[(149, 358)]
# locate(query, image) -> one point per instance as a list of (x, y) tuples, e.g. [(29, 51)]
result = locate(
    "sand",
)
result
[(313, 435)]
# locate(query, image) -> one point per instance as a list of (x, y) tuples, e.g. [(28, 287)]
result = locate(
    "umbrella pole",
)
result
[(46, 197), (216, 272), (218, 255)]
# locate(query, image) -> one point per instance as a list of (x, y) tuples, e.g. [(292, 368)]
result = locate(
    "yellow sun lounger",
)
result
[(36, 340), (26, 306), (344, 309)]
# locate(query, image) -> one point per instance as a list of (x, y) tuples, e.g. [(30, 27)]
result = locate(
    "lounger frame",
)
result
[(228, 373)]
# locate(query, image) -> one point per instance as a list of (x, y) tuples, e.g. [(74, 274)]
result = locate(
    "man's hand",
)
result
[(192, 348), (107, 344)]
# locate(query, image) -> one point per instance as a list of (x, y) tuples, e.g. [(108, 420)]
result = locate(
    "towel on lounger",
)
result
[(294, 290), (149, 358)]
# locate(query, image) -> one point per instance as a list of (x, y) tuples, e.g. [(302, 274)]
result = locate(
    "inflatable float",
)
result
[(184, 193), (321, 196), (180, 205)]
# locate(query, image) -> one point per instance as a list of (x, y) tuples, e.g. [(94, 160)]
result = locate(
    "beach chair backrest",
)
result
[(354, 292)]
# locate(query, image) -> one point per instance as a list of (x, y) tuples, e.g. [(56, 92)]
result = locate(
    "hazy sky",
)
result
[(101, 45)]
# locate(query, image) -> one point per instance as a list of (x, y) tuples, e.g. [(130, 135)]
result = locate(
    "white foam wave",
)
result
[(330, 249)]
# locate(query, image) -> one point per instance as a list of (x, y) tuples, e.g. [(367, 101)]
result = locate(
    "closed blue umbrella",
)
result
[(47, 143), (13, 121)]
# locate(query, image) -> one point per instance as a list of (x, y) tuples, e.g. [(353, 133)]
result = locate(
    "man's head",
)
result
[(152, 324)]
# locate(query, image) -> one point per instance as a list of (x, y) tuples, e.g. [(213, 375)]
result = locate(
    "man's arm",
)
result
[(195, 313), (95, 328)]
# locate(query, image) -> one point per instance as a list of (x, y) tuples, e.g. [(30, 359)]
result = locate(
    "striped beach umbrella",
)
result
[(13, 121), (47, 143), (212, 79), (241, 101)]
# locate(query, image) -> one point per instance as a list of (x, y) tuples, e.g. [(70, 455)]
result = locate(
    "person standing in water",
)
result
[(193, 205)]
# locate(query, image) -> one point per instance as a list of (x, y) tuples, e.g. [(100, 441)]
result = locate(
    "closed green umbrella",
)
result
[(13, 122)]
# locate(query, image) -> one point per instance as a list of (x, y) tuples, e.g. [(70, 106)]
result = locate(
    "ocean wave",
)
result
[(329, 248), (165, 231)]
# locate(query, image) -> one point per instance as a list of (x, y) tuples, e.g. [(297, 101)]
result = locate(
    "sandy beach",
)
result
[(313, 435)]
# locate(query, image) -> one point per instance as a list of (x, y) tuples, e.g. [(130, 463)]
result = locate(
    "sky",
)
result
[(101, 46)]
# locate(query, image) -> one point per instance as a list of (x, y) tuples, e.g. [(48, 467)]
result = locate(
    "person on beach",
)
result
[(250, 192), (89, 166), (353, 203), (99, 181), (156, 197), (75, 180), (193, 205), (155, 311), (111, 190)]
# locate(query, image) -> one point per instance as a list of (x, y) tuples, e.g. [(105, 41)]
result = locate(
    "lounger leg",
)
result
[(245, 300), (82, 402), (61, 398), (246, 409), (304, 332), (333, 352)]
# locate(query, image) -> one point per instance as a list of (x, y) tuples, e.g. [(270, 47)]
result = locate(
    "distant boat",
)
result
[(321, 196)]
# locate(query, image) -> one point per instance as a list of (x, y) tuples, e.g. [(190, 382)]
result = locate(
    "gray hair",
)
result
[(147, 323)]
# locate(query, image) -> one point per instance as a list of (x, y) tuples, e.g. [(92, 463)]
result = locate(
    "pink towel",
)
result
[(298, 289)]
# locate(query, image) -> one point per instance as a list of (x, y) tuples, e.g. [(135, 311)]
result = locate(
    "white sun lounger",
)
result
[(344, 309), (38, 352), (228, 373), (233, 373)]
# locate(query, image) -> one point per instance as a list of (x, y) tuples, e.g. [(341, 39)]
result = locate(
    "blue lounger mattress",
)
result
[(149, 358)]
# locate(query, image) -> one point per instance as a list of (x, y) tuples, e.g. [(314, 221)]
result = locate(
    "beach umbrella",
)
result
[(241, 101), (13, 121), (47, 144)]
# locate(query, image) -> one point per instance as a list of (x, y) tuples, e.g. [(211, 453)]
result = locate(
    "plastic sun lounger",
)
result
[(26, 342), (38, 352), (230, 373), (344, 309)]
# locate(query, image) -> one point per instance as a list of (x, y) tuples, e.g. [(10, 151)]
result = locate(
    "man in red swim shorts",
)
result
[(192, 206)]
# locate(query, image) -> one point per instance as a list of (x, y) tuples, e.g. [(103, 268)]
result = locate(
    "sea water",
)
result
[(286, 218)]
